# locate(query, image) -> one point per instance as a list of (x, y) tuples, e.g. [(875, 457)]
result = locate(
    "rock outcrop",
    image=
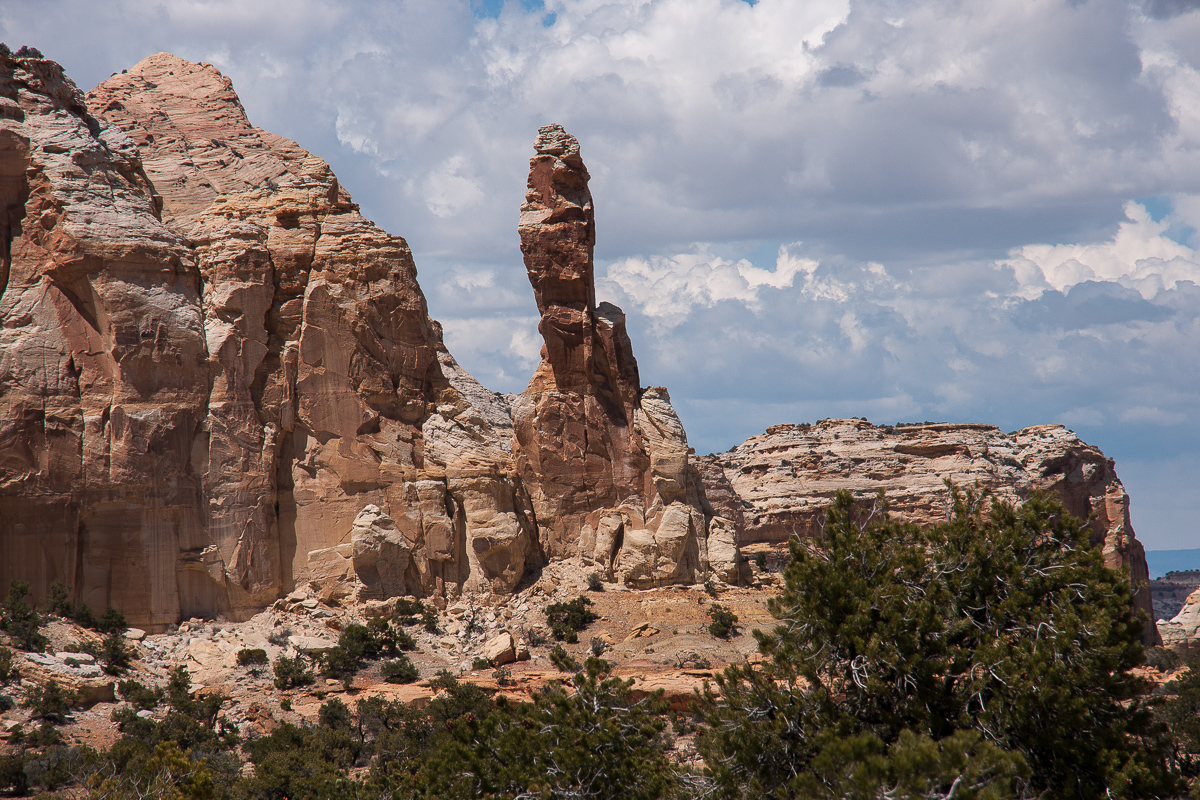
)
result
[(219, 381), (784, 480), (607, 463)]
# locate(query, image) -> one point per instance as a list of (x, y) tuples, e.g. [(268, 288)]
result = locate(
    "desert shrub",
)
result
[(58, 600), (115, 657), (139, 695), (29, 52), (536, 637), (9, 671), (19, 619), (562, 660), (111, 621), (567, 619), (49, 702), (404, 640), (1162, 658), (291, 673), (279, 636), (479, 662), (340, 664), (7, 703), (252, 657), (612, 742), (399, 670), (710, 589), (597, 647), (723, 622), (760, 560), (594, 583)]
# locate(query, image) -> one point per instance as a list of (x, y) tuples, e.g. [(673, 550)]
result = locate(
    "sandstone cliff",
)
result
[(218, 380), (607, 464), (782, 481)]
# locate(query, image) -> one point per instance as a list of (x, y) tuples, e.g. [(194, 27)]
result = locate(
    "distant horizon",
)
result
[(1163, 561)]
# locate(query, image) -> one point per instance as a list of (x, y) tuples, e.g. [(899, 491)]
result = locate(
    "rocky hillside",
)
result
[(218, 380), (780, 482)]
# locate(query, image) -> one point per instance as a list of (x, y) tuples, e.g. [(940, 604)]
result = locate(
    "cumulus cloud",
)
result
[(1141, 255)]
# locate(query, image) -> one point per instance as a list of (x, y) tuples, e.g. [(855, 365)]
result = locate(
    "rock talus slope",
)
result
[(218, 380), (782, 481)]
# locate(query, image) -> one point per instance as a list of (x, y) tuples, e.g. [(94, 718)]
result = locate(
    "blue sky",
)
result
[(978, 210)]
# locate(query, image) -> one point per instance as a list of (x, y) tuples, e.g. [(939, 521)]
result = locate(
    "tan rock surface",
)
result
[(786, 478), (606, 463), (219, 382)]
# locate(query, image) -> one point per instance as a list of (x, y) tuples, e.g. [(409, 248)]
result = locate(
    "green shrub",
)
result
[(567, 619), (479, 663), (49, 702), (248, 657), (760, 560), (339, 663), (9, 671), (139, 695), (114, 655), (291, 673), (594, 583), (7, 703), (400, 670), (58, 600), (20, 621), (1163, 658), (112, 621), (723, 621), (562, 660), (711, 589)]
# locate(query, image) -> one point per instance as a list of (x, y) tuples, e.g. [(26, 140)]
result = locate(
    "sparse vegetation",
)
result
[(291, 673), (594, 583), (399, 670), (567, 619), (19, 619), (114, 655), (9, 671), (252, 657), (723, 622), (48, 702)]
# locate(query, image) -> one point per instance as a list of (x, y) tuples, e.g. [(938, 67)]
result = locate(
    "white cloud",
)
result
[(669, 287), (1140, 256), (450, 189)]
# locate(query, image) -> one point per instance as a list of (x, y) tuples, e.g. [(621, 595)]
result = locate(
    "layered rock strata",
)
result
[(784, 479), (218, 380), (607, 463)]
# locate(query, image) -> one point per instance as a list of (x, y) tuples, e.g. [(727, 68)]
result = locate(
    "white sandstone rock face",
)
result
[(1183, 630), (781, 482)]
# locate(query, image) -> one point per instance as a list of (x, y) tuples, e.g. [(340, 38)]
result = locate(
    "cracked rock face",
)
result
[(219, 381), (782, 481)]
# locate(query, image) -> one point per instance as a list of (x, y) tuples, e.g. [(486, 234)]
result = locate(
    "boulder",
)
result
[(500, 649)]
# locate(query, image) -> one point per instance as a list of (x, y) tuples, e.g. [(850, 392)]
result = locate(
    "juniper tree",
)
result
[(1004, 625)]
